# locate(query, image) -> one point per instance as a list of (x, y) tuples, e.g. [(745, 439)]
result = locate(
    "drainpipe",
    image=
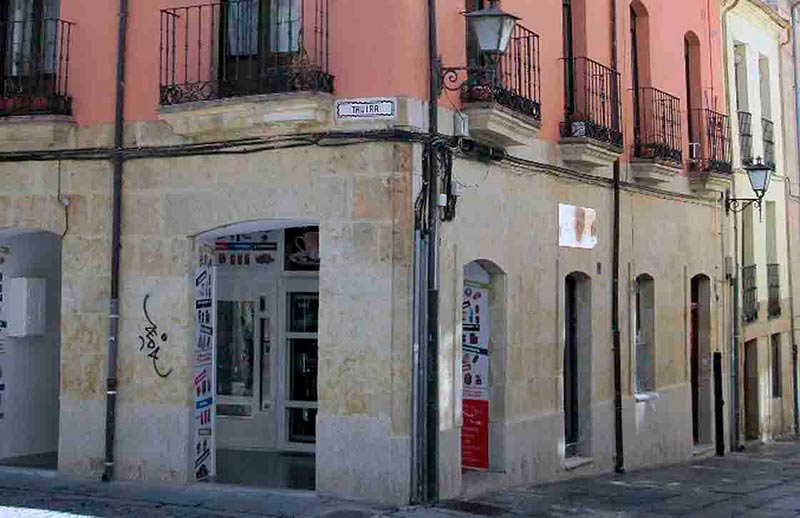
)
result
[(788, 181), (425, 387), (113, 317), (619, 458), (735, 279)]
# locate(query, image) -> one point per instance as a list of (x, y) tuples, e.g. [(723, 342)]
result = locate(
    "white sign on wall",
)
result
[(366, 109), (576, 227)]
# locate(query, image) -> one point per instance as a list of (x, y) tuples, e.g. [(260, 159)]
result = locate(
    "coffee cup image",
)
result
[(307, 248)]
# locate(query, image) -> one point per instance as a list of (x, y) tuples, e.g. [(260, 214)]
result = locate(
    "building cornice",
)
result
[(767, 12)]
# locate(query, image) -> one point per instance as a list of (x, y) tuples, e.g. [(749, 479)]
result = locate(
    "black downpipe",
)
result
[(113, 317), (432, 238), (719, 417), (619, 449)]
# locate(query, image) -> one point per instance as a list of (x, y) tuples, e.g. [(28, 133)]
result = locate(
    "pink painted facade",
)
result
[(380, 49)]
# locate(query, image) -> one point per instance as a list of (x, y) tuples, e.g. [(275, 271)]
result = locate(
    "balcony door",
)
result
[(259, 41), (28, 34)]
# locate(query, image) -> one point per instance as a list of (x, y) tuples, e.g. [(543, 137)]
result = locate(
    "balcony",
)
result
[(504, 104), (591, 134), (773, 291), (34, 67), (241, 48), (710, 164), (657, 149), (768, 139), (746, 137), (749, 294)]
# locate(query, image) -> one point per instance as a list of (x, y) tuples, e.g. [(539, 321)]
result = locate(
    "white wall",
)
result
[(31, 365)]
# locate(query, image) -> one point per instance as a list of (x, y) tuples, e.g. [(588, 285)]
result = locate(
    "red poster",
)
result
[(475, 434)]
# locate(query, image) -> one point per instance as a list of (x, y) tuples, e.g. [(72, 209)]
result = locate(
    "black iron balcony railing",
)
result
[(768, 138), (231, 48), (749, 294), (773, 290), (746, 137), (516, 84), (593, 107), (658, 128), (709, 141), (34, 67)]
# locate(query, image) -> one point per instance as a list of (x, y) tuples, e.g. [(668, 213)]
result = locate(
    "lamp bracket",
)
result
[(453, 78), (737, 205)]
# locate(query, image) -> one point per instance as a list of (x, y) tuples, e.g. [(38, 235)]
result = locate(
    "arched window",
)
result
[(577, 364), (645, 334)]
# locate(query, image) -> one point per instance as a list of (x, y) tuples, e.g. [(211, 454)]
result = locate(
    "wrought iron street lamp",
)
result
[(759, 175), (492, 28)]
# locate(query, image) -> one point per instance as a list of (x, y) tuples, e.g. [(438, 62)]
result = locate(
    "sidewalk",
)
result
[(763, 483)]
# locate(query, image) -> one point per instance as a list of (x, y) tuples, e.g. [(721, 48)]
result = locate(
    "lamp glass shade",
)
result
[(759, 176), (492, 28)]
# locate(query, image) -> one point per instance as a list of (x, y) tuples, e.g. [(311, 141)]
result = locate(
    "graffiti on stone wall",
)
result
[(150, 341)]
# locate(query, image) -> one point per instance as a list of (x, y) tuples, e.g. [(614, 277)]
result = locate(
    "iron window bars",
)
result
[(746, 137), (232, 48), (34, 66), (658, 128), (515, 84), (593, 107), (749, 293), (709, 141), (773, 290), (768, 138)]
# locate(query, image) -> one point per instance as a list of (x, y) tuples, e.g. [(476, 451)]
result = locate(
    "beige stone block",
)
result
[(95, 136), (94, 294), (181, 257), (83, 177), (148, 257), (371, 198), (84, 335), (145, 174), (101, 215), (334, 194), (85, 257), (79, 211), (142, 216), (360, 377), (38, 212), (82, 376), (5, 211)]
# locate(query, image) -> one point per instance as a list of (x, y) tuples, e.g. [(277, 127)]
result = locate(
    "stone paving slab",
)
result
[(762, 482)]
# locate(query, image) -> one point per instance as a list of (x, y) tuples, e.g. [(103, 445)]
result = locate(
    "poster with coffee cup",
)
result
[(301, 249)]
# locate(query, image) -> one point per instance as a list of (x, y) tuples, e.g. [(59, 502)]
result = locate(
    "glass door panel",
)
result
[(235, 355), (301, 341)]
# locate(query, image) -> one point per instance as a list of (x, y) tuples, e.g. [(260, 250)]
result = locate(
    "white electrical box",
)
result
[(25, 307)]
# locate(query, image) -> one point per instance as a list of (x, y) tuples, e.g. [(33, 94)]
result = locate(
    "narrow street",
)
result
[(762, 482)]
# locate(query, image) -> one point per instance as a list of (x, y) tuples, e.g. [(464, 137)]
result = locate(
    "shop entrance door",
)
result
[(299, 399)]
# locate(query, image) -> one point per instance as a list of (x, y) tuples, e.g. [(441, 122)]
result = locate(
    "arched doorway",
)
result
[(483, 366), (30, 344), (577, 365), (256, 354), (700, 358)]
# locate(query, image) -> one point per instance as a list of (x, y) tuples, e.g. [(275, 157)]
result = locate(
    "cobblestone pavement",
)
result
[(760, 483)]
